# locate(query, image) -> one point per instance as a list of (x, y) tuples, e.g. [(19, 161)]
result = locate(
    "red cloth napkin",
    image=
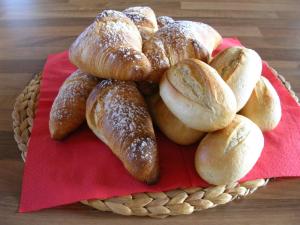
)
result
[(82, 167)]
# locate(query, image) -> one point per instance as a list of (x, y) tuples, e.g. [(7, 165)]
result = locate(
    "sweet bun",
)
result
[(177, 41), (227, 155), (170, 125), (195, 93), (263, 107), (241, 69)]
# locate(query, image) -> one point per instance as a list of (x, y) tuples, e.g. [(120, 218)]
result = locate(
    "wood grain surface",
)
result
[(32, 29)]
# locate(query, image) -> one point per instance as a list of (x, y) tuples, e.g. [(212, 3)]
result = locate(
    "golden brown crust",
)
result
[(111, 47), (117, 113), (241, 69), (144, 18), (263, 106), (68, 109), (177, 41), (170, 125), (227, 155), (196, 94)]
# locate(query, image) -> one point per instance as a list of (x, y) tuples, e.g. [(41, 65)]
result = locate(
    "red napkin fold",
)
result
[(82, 167)]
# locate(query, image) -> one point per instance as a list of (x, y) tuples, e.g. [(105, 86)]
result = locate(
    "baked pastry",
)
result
[(68, 109), (118, 115), (225, 156), (263, 106), (111, 47), (177, 41), (196, 94), (147, 88), (163, 21), (144, 18), (170, 125), (241, 69)]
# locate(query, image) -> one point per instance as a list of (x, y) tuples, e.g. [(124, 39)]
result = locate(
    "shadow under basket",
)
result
[(158, 204)]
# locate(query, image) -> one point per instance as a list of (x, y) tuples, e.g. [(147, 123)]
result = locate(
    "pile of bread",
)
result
[(134, 68)]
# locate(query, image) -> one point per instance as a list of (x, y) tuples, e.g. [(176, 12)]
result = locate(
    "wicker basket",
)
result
[(159, 204)]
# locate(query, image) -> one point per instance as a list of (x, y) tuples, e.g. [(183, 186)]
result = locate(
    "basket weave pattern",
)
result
[(159, 204)]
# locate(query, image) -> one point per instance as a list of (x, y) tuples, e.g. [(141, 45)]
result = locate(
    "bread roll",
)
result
[(227, 155), (241, 69), (170, 125), (263, 107), (195, 93)]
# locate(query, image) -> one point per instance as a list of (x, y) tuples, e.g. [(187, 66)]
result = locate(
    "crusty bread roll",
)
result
[(170, 125), (241, 69), (227, 155), (111, 47), (197, 95), (118, 115), (263, 107), (177, 41), (144, 18)]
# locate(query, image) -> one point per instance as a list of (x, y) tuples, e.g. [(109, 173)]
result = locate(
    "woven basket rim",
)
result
[(158, 204)]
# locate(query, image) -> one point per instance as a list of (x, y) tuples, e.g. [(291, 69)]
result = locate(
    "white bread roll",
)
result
[(241, 69), (196, 94), (227, 155), (170, 125), (263, 107)]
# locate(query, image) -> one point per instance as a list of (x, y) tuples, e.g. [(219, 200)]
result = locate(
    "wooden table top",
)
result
[(32, 29)]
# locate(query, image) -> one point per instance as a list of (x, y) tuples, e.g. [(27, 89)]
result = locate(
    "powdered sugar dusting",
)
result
[(136, 14), (139, 149), (75, 89), (110, 13), (120, 32), (128, 119), (174, 42), (164, 20), (176, 34)]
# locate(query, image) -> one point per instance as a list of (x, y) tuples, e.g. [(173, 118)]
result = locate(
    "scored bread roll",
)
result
[(263, 107), (241, 69), (170, 125), (227, 155), (197, 95)]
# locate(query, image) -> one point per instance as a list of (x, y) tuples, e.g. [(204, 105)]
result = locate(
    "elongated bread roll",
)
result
[(118, 115), (263, 107), (227, 155), (241, 69), (170, 125), (196, 94)]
